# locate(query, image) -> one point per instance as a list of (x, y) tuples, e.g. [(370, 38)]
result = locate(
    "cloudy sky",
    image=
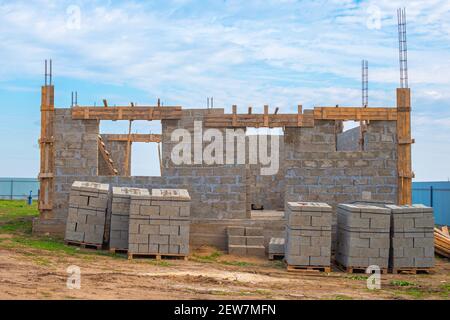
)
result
[(280, 53)]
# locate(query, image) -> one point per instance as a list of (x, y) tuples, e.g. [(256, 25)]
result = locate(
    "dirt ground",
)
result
[(29, 273)]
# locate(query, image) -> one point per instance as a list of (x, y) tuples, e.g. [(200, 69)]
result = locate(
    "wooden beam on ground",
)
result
[(404, 167), (126, 113), (135, 137), (47, 151)]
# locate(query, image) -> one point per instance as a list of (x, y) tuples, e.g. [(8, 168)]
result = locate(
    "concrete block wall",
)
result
[(412, 234), (246, 241), (218, 191), (87, 218), (363, 235), (118, 150), (308, 234)]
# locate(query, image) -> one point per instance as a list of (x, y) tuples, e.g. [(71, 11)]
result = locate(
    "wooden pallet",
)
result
[(354, 269), (412, 270), (115, 250), (292, 268), (84, 245), (158, 256), (276, 256)]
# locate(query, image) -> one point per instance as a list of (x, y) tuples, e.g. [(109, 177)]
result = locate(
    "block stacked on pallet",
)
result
[(308, 234), (362, 236), (159, 223), (412, 236), (246, 241), (88, 206), (120, 214)]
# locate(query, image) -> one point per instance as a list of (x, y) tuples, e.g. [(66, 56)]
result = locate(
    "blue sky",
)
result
[(280, 53)]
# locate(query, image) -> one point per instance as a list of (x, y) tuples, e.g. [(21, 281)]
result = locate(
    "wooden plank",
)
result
[(404, 166), (106, 156), (354, 113), (126, 113), (47, 152), (135, 137)]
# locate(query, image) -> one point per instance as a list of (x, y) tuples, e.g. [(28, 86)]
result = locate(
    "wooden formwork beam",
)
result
[(126, 113), (47, 152), (404, 166), (355, 113), (135, 137)]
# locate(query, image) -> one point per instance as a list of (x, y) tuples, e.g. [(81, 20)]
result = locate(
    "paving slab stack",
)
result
[(363, 235), (120, 215), (159, 223), (308, 234), (88, 207), (246, 241), (412, 236)]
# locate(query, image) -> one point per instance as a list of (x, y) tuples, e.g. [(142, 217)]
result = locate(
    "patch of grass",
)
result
[(237, 263), (279, 264), (402, 283), (445, 290), (16, 226), (160, 263), (342, 297), (356, 277), (12, 209), (209, 258)]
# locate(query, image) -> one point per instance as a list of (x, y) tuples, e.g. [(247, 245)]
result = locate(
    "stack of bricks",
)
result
[(88, 206), (308, 234), (276, 248), (246, 241), (412, 237), (120, 214), (363, 236), (159, 223)]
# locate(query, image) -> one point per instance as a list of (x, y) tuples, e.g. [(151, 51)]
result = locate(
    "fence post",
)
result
[(12, 189), (431, 196)]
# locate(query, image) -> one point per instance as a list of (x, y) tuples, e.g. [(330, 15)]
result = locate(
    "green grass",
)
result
[(356, 277), (402, 283), (209, 258), (16, 220), (342, 297), (13, 209)]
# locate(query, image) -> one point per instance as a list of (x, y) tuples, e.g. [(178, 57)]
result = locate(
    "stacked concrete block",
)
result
[(246, 241), (308, 234), (276, 247), (159, 223), (88, 207), (412, 236), (362, 236), (120, 214)]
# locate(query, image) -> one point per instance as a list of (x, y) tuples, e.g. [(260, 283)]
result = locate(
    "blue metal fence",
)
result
[(436, 195), (18, 188)]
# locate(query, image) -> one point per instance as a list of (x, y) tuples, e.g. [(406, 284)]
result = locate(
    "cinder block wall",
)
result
[(217, 191), (118, 151)]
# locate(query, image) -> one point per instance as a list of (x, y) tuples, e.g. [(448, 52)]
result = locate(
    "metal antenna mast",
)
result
[(365, 83), (403, 48)]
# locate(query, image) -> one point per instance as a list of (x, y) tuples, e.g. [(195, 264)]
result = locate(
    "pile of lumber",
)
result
[(442, 242)]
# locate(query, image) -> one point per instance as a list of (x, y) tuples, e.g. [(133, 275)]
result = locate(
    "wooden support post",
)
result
[(47, 153), (105, 103), (276, 110), (299, 115), (249, 110), (404, 166), (126, 169), (234, 111), (266, 116)]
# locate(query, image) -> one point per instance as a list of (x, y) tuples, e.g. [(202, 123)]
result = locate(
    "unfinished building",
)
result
[(317, 161)]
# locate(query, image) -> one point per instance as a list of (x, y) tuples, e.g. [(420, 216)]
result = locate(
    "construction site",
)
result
[(312, 213)]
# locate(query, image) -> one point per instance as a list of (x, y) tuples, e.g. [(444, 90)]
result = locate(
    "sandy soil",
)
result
[(39, 274)]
